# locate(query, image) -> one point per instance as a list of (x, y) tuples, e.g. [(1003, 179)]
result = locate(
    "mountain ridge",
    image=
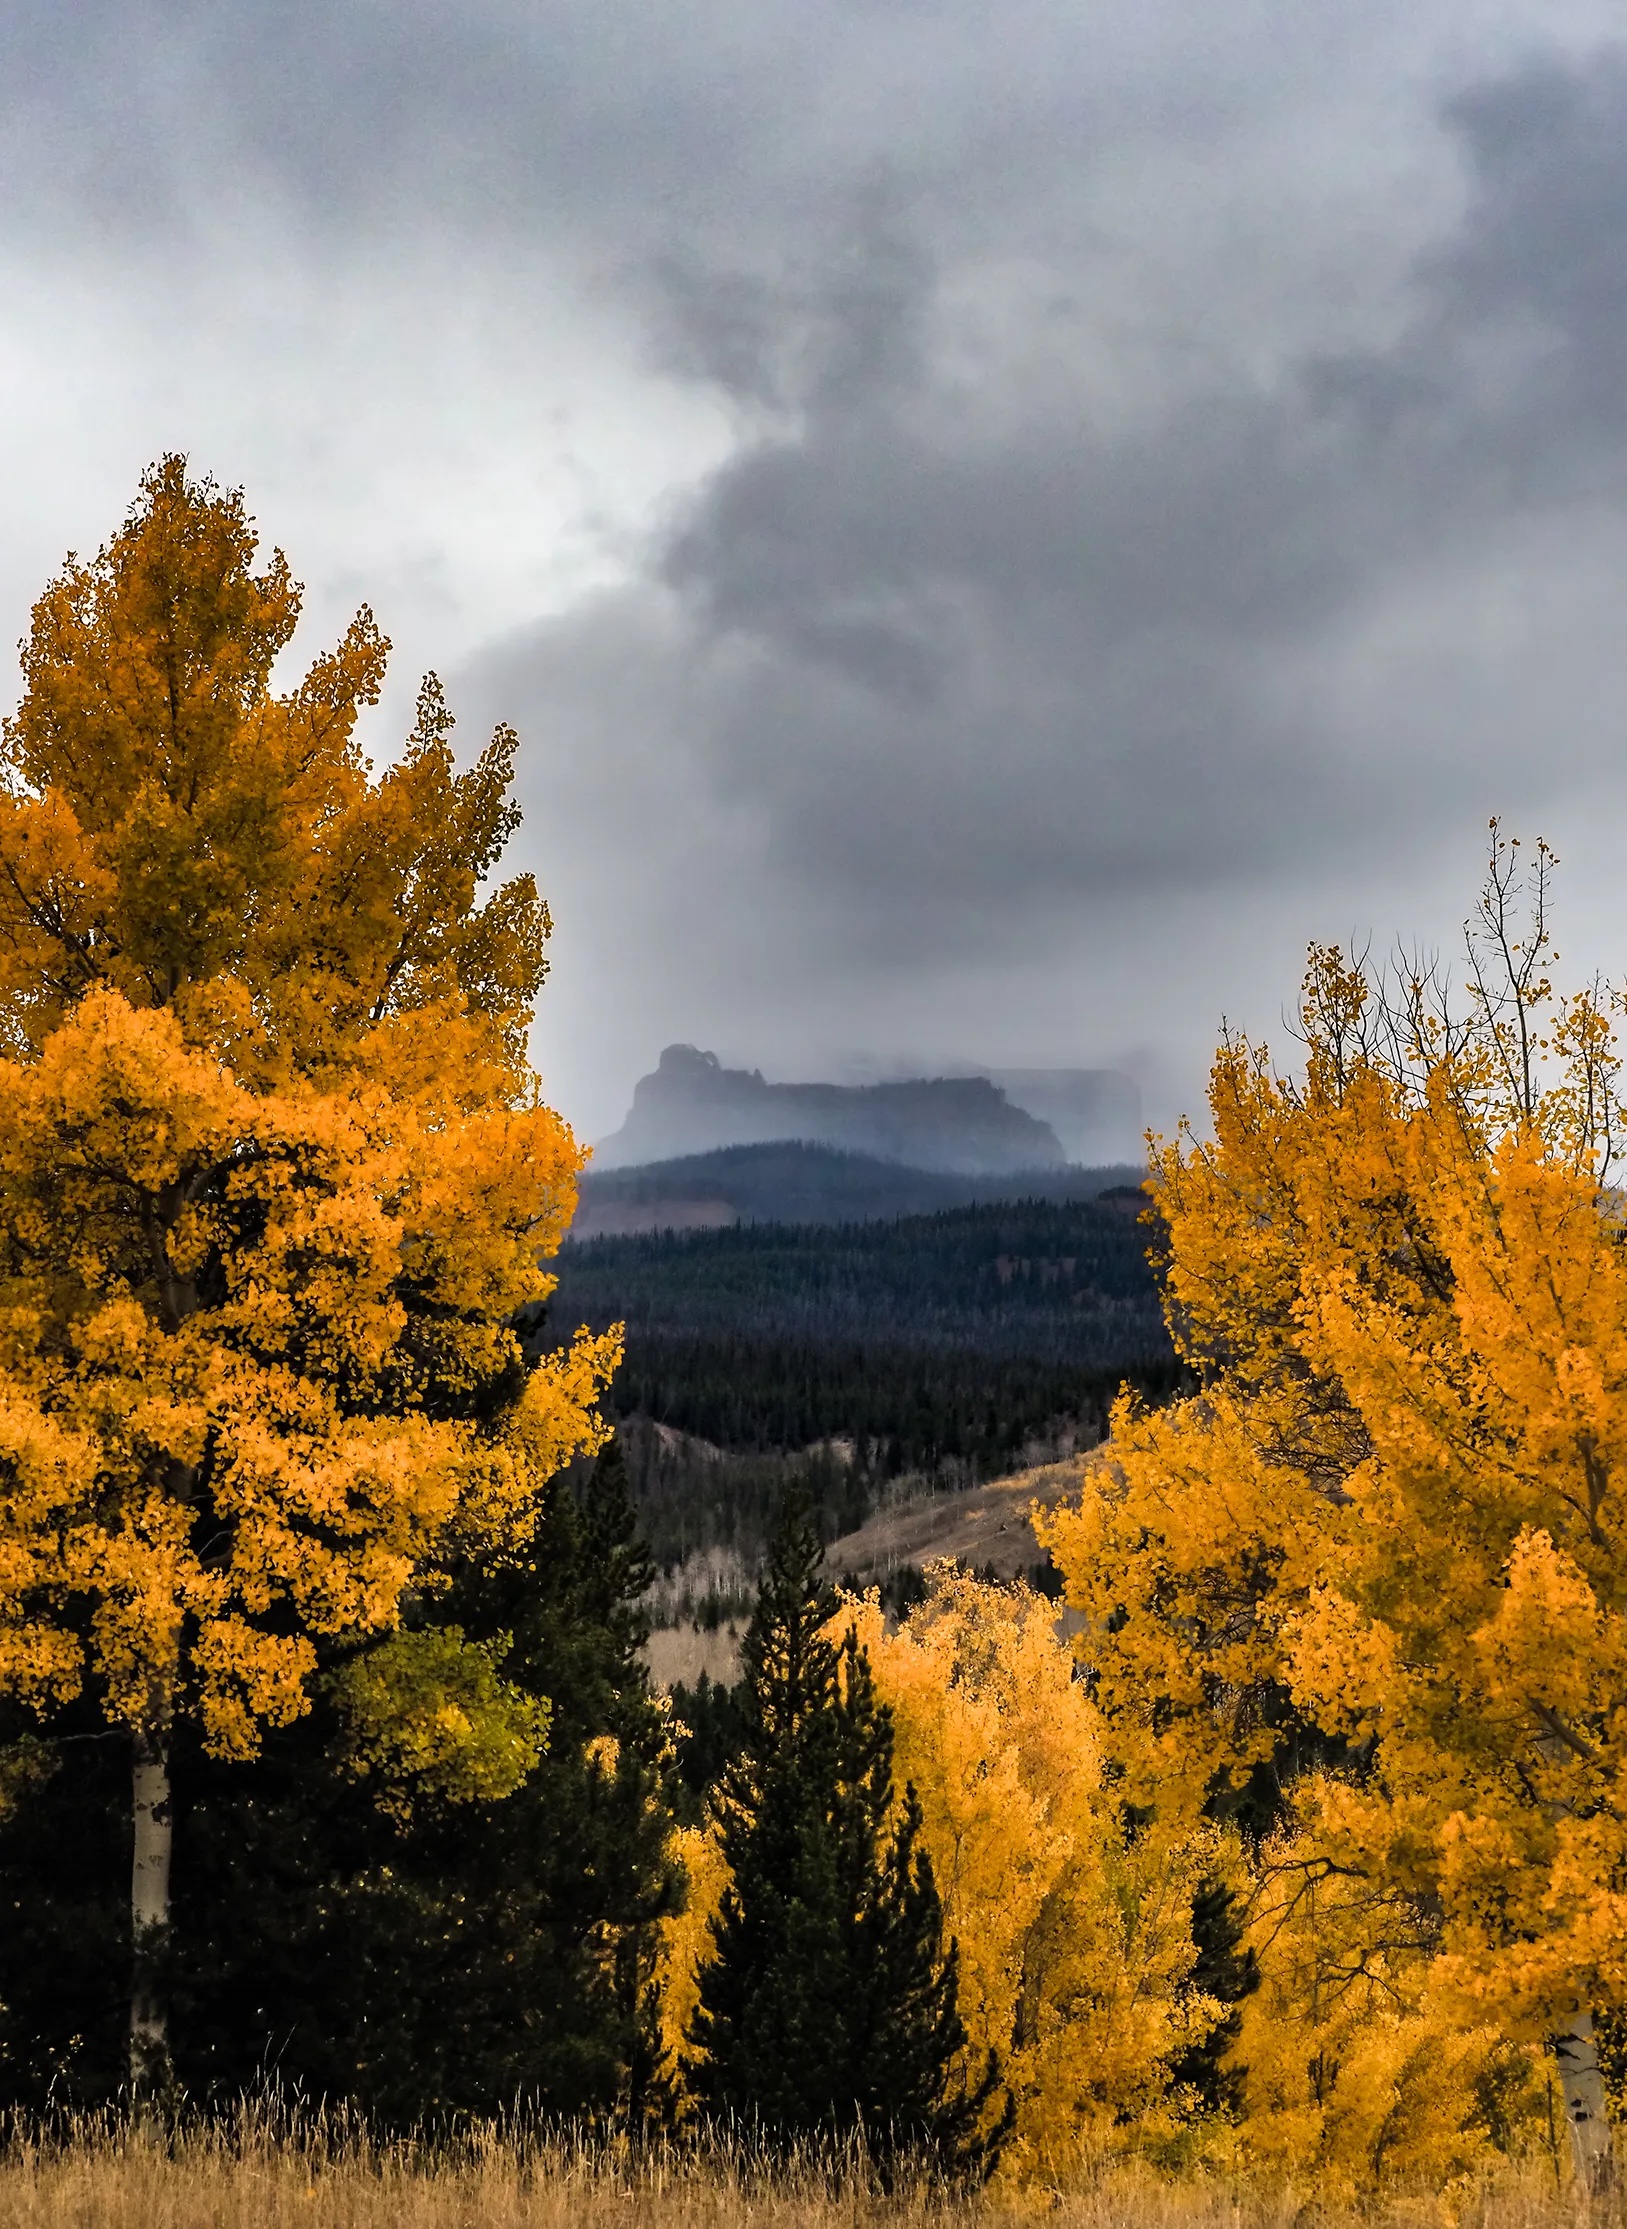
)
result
[(980, 1122), (789, 1181)]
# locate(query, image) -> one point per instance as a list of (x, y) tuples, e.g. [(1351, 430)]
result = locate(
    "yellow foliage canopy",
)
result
[(1394, 1513), (430, 1712), (274, 1173), (1356, 2072), (686, 1937), (1075, 1940)]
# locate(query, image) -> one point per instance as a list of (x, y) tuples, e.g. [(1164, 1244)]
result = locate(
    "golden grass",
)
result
[(252, 2178), (264, 2173)]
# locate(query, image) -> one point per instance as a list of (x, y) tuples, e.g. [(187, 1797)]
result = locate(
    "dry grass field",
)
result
[(983, 1527), (327, 2177)]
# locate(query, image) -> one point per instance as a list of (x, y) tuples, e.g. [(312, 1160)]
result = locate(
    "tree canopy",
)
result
[(275, 1175), (1388, 1532)]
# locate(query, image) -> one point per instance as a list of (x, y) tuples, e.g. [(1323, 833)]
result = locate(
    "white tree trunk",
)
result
[(1586, 2107), (149, 1914)]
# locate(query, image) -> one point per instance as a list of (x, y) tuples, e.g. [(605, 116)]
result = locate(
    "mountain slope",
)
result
[(944, 1348), (793, 1182), (1064, 1282)]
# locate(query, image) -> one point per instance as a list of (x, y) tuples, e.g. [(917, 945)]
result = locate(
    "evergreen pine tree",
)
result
[(449, 1962), (1228, 1972), (829, 2004), (708, 1718), (478, 1953)]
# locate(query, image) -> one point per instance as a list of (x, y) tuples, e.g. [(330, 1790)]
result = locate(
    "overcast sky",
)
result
[(997, 520)]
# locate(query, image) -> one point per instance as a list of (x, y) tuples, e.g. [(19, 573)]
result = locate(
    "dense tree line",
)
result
[(904, 1409), (840, 1358), (1066, 1283), (945, 1346), (842, 1421)]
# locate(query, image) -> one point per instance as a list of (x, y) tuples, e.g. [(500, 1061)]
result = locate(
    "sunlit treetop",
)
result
[(175, 827), (277, 1183)]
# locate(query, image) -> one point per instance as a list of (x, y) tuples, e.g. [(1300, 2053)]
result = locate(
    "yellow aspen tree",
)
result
[(685, 1944), (1357, 2075), (1393, 1513), (275, 1176), (1075, 1939)]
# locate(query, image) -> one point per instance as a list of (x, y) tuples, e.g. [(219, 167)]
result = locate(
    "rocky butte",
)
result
[(967, 1125)]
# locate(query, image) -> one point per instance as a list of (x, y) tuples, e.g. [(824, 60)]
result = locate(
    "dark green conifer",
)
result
[(829, 2004), (455, 1961), (473, 1954), (1228, 1972), (707, 1717)]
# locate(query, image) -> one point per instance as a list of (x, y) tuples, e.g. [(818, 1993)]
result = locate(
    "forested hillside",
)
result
[(1066, 1282), (947, 1345), (791, 1181)]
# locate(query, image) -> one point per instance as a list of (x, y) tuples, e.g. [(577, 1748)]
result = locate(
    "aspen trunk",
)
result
[(1586, 2108), (149, 1913)]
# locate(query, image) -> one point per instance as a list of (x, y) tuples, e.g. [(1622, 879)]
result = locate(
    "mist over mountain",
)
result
[(972, 1125), (1095, 1112), (787, 1181)]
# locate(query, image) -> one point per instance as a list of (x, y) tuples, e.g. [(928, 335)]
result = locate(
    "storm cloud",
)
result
[(1111, 654), (1042, 508)]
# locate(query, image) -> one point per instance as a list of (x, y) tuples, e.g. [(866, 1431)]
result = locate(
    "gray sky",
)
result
[(996, 519)]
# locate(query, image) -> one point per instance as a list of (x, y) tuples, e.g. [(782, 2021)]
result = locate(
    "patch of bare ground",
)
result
[(987, 1526), (677, 1655)]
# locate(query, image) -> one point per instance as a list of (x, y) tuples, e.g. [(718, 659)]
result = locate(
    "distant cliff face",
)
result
[(964, 1124)]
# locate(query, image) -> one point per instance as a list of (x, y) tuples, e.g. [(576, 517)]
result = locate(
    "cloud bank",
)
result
[(997, 524)]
